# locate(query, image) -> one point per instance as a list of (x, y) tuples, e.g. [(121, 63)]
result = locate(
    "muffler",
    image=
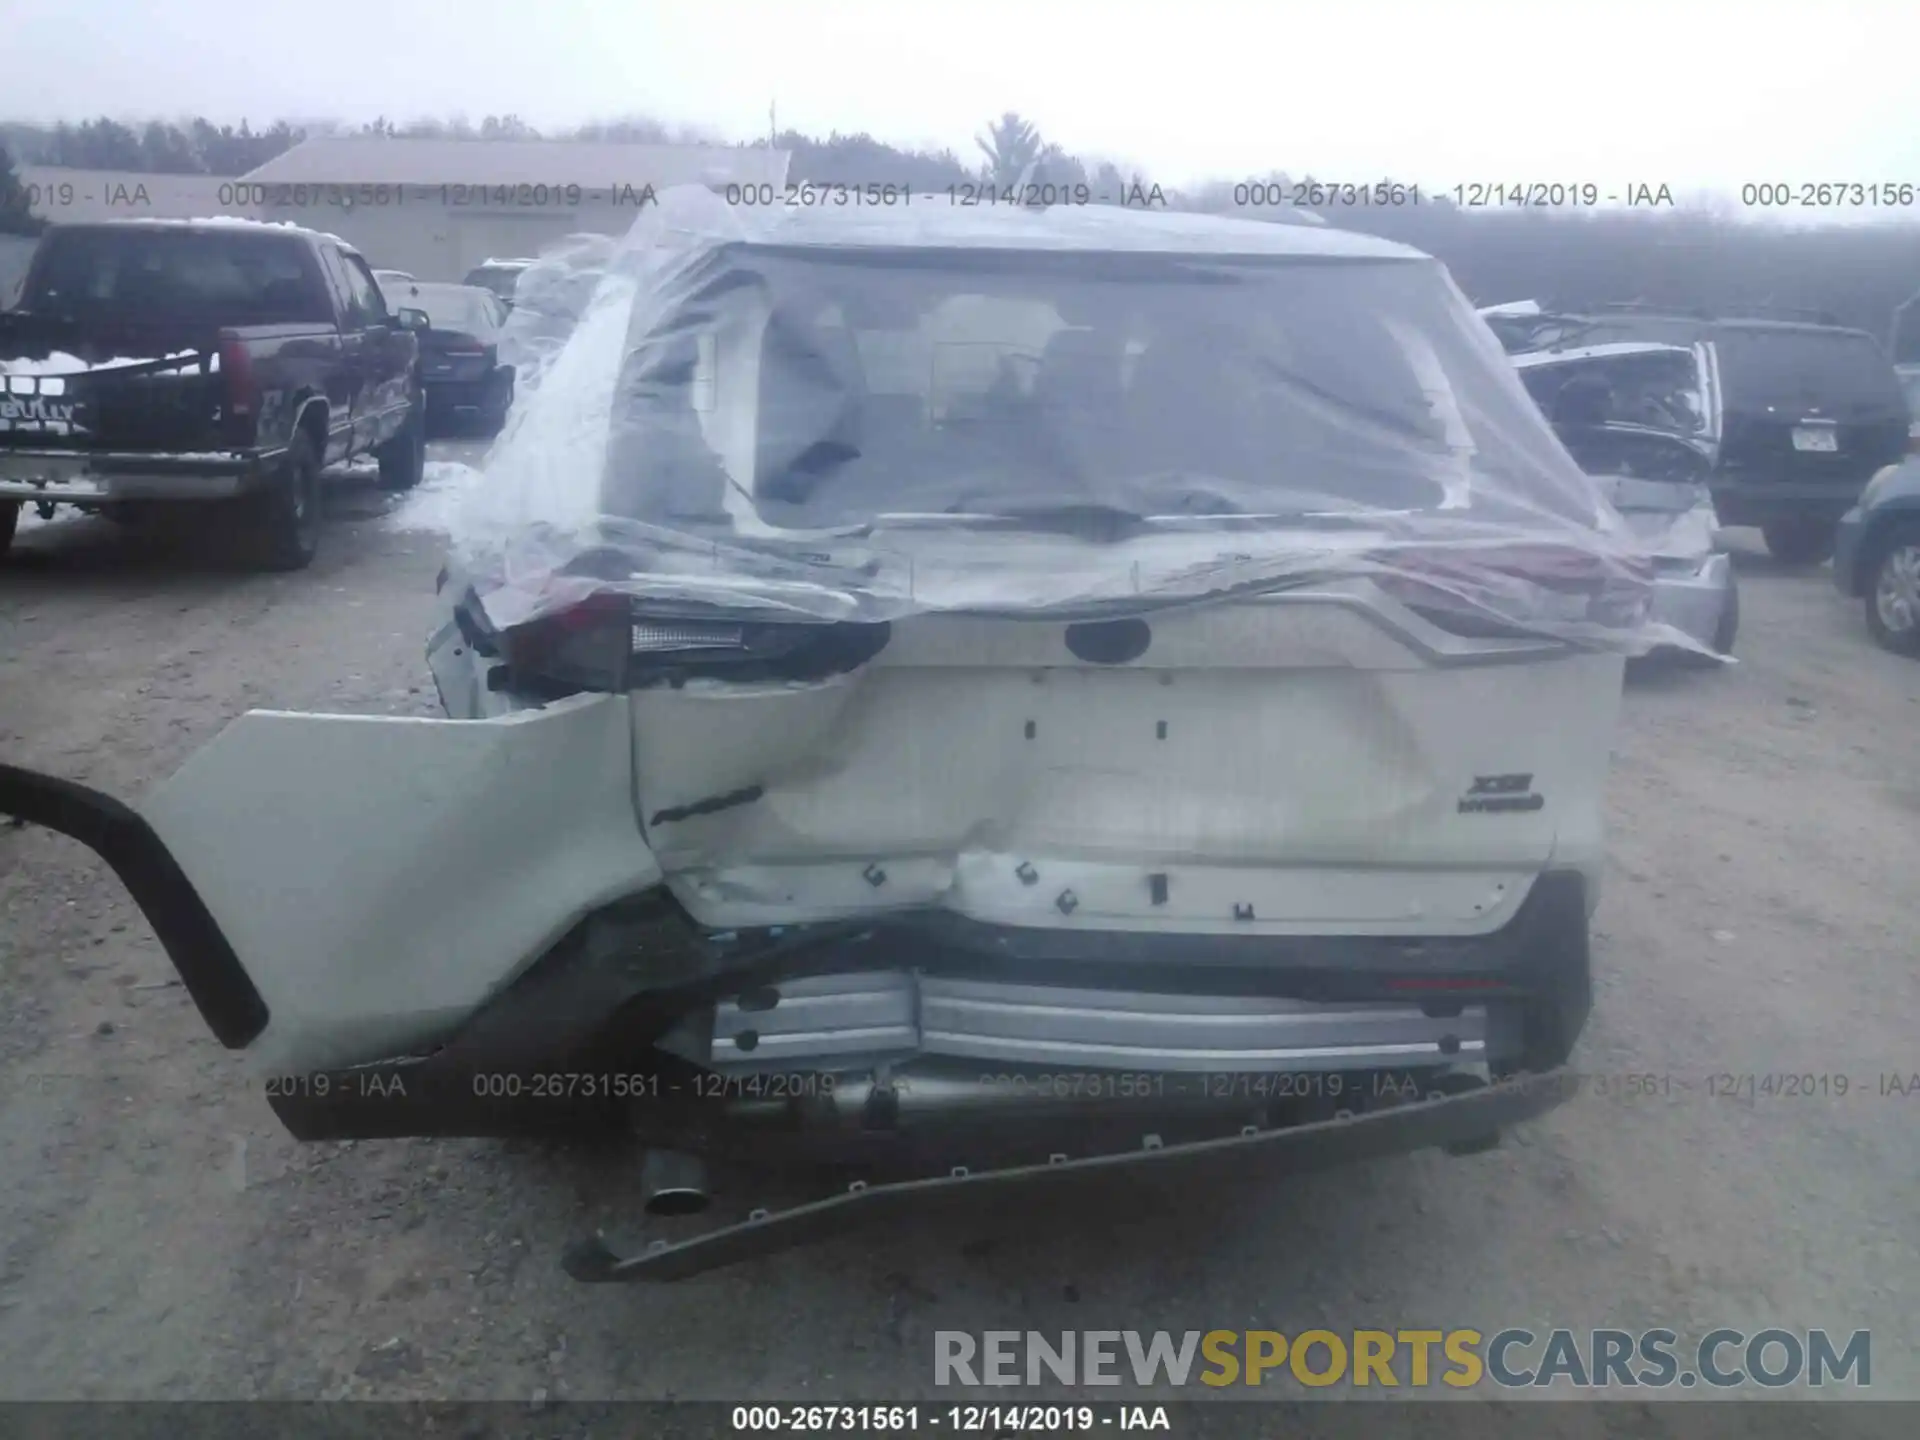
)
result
[(673, 1183)]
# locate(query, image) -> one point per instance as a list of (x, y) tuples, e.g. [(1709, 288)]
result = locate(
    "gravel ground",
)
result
[(160, 1237)]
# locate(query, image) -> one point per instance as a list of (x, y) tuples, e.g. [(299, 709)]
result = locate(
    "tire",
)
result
[(403, 459), (1729, 626), (281, 525), (1798, 539), (1893, 618), (9, 522)]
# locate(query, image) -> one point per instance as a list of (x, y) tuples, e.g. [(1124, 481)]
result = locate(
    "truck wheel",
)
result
[(1799, 540), (283, 522), (9, 522), (1893, 591), (403, 459)]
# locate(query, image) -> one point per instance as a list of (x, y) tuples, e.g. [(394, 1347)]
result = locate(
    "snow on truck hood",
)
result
[(826, 415)]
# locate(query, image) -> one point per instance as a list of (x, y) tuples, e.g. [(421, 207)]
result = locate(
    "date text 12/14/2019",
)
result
[(953, 1419)]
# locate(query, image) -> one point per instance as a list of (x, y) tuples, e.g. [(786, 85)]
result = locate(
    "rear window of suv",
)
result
[(1788, 367), (226, 277), (1798, 369)]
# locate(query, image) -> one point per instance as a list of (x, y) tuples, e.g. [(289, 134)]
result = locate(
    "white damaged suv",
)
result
[(967, 697)]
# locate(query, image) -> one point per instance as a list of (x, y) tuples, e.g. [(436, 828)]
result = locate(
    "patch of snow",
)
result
[(445, 487), (241, 222), (61, 363)]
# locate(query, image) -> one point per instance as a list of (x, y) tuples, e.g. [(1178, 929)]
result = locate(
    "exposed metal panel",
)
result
[(895, 1015)]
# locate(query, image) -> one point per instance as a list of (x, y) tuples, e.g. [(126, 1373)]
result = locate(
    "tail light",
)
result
[(601, 644), (243, 386), (1500, 590)]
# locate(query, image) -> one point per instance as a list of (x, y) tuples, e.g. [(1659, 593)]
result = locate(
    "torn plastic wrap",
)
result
[(822, 414)]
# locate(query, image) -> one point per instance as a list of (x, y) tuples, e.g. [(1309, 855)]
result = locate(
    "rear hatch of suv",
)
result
[(1812, 407), (1214, 596)]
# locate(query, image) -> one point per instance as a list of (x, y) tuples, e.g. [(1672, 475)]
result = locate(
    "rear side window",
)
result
[(500, 279), (458, 307), (369, 306), (226, 277)]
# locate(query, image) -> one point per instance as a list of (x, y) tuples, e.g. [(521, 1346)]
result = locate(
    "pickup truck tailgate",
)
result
[(170, 403)]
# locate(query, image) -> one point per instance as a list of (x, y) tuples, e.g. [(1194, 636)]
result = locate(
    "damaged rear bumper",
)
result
[(1459, 1120), (584, 1042)]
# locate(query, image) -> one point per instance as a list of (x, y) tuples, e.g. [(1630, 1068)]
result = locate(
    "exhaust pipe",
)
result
[(672, 1183)]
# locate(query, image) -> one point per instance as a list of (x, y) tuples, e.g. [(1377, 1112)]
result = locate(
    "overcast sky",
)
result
[(1687, 92)]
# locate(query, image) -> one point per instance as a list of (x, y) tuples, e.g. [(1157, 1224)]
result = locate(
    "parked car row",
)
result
[(1805, 430), (461, 374)]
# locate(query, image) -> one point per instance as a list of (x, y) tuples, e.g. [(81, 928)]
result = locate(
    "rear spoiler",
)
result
[(219, 985)]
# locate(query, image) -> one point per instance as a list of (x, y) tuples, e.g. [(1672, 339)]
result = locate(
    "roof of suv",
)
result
[(1651, 322), (214, 223), (938, 223)]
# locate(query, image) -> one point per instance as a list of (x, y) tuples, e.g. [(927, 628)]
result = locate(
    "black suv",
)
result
[(1811, 410)]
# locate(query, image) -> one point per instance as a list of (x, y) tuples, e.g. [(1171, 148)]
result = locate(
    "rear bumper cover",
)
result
[(591, 1007), (1254, 1153), (1693, 602), (66, 477), (586, 1010), (461, 393), (621, 981), (212, 974), (1756, 503)]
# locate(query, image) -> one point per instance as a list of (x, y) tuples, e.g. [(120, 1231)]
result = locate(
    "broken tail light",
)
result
[(606, 643), (1499, 591)]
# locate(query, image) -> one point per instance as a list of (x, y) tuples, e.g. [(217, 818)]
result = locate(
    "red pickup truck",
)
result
[(221, 364)]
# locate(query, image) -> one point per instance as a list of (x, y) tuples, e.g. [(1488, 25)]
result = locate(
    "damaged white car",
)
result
[(943, 701), (1644, 418)]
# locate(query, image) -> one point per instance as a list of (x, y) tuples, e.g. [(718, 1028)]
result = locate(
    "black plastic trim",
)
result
[(233, 1008), (1445, 1120)]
